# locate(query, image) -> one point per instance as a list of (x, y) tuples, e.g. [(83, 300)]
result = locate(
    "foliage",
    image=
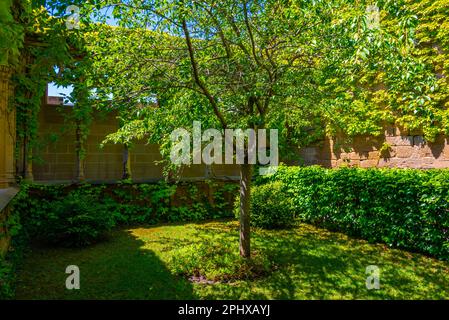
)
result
[(6, 279), (212, 67), (42, 207), (74, 221), (12, 259), (402, 208), (51, 53), (359, 78), (306, 68), (11, 32), (270, 208), (323, 65), (428, 110)]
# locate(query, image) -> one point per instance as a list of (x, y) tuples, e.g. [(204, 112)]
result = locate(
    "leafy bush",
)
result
[(217, 262), (270, 208), (124, 203), (404, 208), (74, 221), (6, 279)]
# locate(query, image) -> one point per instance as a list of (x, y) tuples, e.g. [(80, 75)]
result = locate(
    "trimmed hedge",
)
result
[(270, 209), (405, 208)]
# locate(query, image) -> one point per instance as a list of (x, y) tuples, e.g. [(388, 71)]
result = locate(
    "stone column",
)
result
[(7, 128)]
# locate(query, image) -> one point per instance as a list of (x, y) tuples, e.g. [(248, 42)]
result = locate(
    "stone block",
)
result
[(441, 164), (354, 156), (418, 141), (58, 148), (368, 163), (65, 158), (400, 140), (373, 155), (424, 151), (354, 163), (403, 151), (308, 154), (445, 152)]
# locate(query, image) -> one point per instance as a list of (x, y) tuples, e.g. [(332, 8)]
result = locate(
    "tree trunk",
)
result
[(79, 155), (245, 194), (126, 163)]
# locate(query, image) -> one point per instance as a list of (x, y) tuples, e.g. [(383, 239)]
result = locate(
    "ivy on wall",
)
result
[(41, 49), (409, 86)]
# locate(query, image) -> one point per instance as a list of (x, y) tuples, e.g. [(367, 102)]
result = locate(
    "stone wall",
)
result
[(55, 157), (7, 129), (394, 149)]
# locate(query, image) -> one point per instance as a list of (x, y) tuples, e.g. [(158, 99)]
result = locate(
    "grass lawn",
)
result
[(310, 263)]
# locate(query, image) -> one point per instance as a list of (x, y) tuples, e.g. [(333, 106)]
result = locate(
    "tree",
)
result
[(233, 64), (303, 67)]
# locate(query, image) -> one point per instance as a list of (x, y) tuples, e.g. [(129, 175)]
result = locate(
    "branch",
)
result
[(197, 78)]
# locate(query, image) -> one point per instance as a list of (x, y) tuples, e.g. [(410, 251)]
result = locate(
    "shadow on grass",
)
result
[(119, 268), (314, 263), (326, 265), (310, 263)]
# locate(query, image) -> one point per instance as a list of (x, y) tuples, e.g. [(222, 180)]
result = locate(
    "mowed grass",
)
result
[(310, 263)]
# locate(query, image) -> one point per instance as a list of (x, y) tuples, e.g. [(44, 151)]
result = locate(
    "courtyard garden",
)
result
[(224, 149), (170, 241)]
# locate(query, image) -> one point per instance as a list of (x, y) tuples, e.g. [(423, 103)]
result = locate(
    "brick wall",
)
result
[(405, 150)]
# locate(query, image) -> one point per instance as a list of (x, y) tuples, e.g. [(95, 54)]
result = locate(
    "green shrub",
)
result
[(126, 203), (74, 221), (404, 208), (217, 262), (6, 279), (270, 208)]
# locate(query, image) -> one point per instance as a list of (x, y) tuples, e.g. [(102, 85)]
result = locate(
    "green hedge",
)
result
[(270, 209), (404, 208), (75, 215)]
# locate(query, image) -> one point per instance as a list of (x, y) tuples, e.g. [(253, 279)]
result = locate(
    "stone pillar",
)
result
[(7, 128)]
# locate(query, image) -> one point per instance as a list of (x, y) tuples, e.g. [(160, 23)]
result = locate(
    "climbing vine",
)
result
[(398, 78), (43, 50)]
